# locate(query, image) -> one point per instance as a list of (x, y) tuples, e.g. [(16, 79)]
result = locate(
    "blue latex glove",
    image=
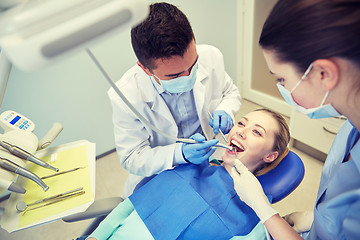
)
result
[(221, 120), (196, 153)]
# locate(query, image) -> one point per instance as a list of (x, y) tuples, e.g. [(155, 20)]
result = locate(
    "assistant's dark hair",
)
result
[(302, 31), (166, 32)]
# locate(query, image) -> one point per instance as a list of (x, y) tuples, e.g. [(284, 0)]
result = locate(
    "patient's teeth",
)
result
[(237, 144)]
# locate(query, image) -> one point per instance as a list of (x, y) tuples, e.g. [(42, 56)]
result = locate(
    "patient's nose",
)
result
[(241, 133)]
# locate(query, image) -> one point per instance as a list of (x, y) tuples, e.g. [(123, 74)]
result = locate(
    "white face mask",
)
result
[(180, 84), (323, 111)]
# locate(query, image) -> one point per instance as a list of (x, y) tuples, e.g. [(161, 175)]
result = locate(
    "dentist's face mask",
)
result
[(180, 84), (323, 111)]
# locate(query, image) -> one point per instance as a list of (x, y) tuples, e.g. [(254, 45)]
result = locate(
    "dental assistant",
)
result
[(174, 84), (313, 48)]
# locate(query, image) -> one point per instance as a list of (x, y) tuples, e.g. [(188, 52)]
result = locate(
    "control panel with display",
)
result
[(10, 120)]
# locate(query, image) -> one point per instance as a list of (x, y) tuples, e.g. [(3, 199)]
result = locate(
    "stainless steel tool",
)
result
[(49, 201), (60, 173), (234, 162), (13, 167), (21, 153)]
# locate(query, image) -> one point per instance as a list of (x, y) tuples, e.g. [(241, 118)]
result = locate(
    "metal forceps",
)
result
[(23, 207)]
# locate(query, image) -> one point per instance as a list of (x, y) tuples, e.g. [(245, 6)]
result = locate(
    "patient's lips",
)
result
[(236, 145)]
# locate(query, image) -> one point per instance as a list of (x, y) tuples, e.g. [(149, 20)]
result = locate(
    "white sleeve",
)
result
[(133, 146)]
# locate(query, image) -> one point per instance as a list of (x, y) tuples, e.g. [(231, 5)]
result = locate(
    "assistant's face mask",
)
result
[(323, 111), (180, 84)]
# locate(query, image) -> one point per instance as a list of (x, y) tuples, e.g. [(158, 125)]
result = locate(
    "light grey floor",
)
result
[(110, 178)]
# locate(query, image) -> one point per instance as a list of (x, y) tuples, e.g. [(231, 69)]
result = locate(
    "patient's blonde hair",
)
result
[(282, 138)]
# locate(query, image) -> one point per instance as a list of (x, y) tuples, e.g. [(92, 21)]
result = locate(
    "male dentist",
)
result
[(174, 85)]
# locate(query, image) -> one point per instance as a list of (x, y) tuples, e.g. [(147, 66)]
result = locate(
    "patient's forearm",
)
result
[(280, 229)]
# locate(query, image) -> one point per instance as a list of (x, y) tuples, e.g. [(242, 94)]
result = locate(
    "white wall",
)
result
[(73, 92)]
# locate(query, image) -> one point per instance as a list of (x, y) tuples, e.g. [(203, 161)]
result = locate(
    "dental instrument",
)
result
[(13, 167), (138, 114), (56, 200), (60, 173), (19, 152), (234, 162), (221, 133), (22, 206)]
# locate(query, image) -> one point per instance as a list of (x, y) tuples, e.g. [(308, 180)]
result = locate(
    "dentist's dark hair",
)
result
[(302, 31), (166, 32)]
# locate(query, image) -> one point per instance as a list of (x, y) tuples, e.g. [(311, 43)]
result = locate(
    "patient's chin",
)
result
[(228, 158)]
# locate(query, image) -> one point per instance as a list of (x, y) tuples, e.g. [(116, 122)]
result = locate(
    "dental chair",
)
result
[(279, 183)]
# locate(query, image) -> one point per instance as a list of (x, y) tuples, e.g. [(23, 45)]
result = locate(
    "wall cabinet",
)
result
[(316, 133)]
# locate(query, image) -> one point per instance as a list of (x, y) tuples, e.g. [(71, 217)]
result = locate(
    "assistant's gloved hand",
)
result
[(221, 120), (300, 221), (196, 153), (250, 191)]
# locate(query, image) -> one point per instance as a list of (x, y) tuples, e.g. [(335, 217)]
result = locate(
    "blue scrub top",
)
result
[(337, 208)]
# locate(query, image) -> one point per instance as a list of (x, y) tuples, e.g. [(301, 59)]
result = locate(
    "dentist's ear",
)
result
[(271, 157), (145, 69)]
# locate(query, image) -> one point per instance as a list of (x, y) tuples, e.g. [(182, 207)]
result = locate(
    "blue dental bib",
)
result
[(193, 202)]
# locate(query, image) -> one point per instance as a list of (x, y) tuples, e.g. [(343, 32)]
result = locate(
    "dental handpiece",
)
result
[(13, 167), (189, 140), (21, 153)]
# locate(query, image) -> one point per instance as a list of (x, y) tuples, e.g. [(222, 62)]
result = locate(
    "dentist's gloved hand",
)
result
[(250, 191), (196, 153), (221, 120), (300, 221)]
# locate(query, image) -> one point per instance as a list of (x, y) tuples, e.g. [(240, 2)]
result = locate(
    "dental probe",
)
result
[(13, 167), (19, 152), (60, 173), (221, 133)]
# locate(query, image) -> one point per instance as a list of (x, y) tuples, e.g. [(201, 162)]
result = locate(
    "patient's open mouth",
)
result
[(236, 145)]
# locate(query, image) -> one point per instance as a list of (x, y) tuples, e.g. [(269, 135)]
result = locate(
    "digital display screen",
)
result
[(15, 120)]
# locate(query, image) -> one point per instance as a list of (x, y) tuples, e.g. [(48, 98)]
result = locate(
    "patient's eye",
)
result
[(256, 132), (241, 124)]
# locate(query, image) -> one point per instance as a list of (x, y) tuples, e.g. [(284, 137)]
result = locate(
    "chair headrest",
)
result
[(284, 178)]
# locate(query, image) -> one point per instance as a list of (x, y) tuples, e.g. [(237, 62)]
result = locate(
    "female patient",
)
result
[(199, 201)]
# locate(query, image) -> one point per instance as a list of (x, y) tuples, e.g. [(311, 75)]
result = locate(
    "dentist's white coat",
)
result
[(142, 151)]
